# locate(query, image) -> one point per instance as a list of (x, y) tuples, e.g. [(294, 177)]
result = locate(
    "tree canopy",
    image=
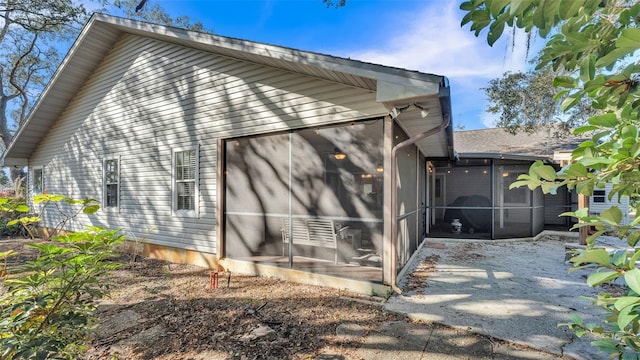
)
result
[(33, 33), (526, 101), (27, 56), (154, 13)]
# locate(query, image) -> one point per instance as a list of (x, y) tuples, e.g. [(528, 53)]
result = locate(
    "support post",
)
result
[(583, 202)]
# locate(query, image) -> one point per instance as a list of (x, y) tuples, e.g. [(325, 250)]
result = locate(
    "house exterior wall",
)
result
[(148, 98), (599, 202)]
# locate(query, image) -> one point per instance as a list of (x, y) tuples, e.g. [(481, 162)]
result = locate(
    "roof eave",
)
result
[(503, 156), (403, 82), (327, 62)]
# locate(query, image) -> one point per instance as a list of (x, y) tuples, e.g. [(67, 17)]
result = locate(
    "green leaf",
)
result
[(632, 239), (546, 172), (581, 213), (626, 301), (570, 101), (598, 278), (593, 256), (520, 183), (497, 6), (629, 131), (632, 278), (569, 8), (495, 31), (539, 17), (561, 94), (587, 69), (549, 188), (575, 170), (613, 56), (585, 187), (585, 129), (22, 208), (480, 18), (467, 6), (619, 258), (591, 162), (595, 85), (565, 82), (593, 237), (515, 6), (467, 18), (612, 215), (91, 209), (625, 317), (608, 120), (629, 38)]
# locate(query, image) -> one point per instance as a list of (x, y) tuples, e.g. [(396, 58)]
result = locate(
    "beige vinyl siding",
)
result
[(149, 97)]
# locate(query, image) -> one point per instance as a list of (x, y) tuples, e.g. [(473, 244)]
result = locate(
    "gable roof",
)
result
[(393, 86), (497, 142)]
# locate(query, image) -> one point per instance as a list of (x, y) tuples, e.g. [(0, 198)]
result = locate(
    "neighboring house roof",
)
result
[(394, 87), (497, 142)]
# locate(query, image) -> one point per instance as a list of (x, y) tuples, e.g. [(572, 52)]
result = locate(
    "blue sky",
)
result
[(417, 35)]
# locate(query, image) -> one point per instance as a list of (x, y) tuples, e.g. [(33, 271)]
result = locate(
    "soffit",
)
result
[(439, 145)]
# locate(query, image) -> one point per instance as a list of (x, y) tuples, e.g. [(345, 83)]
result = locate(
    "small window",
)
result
[(185, 188), (111, 197), (38, 180), (599, 196)]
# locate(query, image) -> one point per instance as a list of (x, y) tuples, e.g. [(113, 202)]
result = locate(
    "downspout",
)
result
[(394, 193)]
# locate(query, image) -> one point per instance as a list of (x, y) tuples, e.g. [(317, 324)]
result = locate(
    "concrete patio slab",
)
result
[(518, 291)]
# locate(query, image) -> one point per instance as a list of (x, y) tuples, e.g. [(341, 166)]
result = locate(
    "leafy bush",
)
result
[(12, 207), (47, 311), (620, 327), (596, 43)]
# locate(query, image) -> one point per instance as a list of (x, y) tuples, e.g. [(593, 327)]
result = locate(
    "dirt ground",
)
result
[(159, 310)]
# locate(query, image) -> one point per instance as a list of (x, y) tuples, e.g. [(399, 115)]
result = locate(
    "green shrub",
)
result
[(48, 308)]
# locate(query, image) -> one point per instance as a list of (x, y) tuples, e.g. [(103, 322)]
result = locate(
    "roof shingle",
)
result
[(499, 141)]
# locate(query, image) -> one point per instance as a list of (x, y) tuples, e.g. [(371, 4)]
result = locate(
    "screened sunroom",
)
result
[(470, 198), (320, 187), (313, 199)]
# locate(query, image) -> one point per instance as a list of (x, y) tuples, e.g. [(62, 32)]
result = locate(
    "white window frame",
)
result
[(174, 181), (33, 180), (105, 183)]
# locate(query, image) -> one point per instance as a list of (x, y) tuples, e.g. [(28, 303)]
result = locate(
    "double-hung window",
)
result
[(111, 180), (185, 181)]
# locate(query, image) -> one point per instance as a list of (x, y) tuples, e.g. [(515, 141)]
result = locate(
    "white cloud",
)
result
[(489, 120), (432, 41)]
